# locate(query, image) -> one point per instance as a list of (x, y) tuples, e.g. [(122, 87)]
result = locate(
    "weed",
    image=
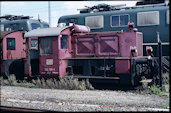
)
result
[(63, 83), (11, 80), (164, 106), (27, 85), (166, 78), (154, 90)]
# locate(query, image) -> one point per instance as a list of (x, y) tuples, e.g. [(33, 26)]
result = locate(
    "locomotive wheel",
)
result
[(17, 68)]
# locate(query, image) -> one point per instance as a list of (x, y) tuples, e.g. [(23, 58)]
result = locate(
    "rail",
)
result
[(17, 109)]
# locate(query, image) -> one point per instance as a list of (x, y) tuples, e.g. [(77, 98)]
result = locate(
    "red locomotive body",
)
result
[(13, 52), (108, 44), (74, 51)]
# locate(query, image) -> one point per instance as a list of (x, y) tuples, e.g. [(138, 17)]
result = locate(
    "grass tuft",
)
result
[(52, 83)]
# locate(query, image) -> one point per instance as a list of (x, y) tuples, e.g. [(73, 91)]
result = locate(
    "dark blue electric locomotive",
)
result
[(13, 22), (148, 17)]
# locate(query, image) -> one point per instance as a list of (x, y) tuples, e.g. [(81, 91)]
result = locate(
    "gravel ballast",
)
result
[(77, 100)]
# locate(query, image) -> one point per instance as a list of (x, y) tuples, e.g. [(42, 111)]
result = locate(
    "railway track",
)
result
[(17, 109), (66, 100)]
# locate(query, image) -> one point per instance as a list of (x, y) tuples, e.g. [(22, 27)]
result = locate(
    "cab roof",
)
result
[(54, 31)]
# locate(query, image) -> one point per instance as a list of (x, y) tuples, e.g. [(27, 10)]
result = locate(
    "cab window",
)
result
[(45, 26), (10, 43), (14, 26), (34, 44), (72, 20), (64, 42), (45, 46), (2, 27), (35, 26)]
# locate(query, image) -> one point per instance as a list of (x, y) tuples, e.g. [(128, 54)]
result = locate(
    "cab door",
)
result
[(34, 56), (48, 62)]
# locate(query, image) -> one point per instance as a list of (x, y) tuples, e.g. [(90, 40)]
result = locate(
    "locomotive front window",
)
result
[(45, 26), (10, 43), (14, 26), (35, 26), (34, 44), (45, 46), (64, 42), (2, 27), (73, 20)]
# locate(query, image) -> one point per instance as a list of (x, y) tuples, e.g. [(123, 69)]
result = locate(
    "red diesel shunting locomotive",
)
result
[(13, 52), (75, 51)]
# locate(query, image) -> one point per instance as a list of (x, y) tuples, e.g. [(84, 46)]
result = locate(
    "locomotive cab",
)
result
[(12, 53), (53, 48)]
